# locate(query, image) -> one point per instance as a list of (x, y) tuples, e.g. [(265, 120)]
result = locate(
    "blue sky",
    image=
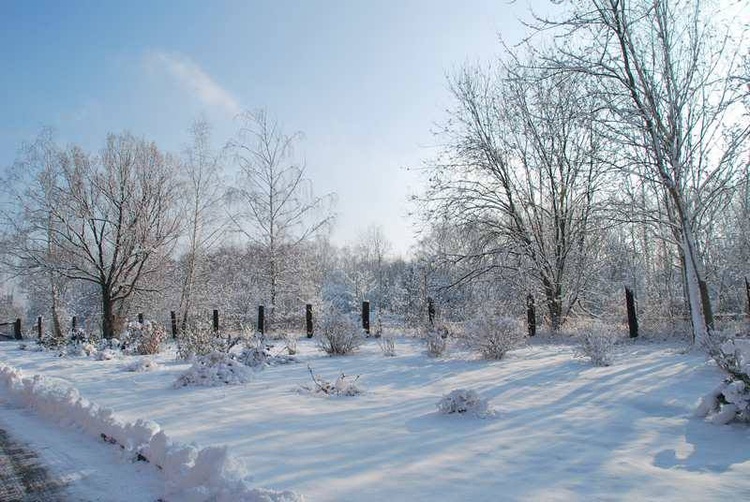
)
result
[(363, 80)]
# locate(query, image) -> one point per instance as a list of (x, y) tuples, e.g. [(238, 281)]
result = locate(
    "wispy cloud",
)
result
[(188, 74)]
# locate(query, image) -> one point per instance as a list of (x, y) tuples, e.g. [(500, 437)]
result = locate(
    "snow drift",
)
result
[(190, 474)]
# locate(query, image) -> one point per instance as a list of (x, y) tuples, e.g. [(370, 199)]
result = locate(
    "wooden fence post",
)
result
[(17, 330), (531, 314), (261, 319), (632, 315), (173, 318), (39, 327), (216, 321), (366, 317), (431, 310), (309, 320)]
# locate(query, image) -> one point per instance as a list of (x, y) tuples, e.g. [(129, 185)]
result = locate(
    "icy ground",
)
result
[(562, 429)]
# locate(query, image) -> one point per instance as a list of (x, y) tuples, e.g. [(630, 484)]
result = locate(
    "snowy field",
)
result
[(563, 429)]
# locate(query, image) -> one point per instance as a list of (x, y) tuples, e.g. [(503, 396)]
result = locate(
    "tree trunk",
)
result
[(692, 282), (708, 313), (56, 325), (108, 324), (553, 298)]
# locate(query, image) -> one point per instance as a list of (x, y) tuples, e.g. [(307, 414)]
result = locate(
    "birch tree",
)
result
[(29, 222), (272, 203), (201, 185)]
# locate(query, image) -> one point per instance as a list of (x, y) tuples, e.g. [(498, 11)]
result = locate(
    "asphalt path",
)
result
[(22, 477)]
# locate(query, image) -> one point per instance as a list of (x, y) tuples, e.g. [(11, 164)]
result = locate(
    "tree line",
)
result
[(609, 149)]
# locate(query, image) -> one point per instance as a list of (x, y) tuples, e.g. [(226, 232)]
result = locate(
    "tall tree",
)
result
[(110, 220), (273, 205), (520, 176), (29, 222), (664, 69), (200, 179)]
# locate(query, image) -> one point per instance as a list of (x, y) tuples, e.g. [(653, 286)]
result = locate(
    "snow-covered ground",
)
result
[(562, 429)]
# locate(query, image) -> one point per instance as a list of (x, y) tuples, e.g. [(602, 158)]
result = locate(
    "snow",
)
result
[(563, 429)]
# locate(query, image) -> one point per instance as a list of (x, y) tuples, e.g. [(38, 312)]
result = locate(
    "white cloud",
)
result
[(195, 80)]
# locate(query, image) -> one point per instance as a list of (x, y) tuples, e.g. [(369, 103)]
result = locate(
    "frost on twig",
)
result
[(343, 386)]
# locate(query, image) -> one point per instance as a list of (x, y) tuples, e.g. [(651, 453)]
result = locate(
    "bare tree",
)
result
[(201, 184), (273, 204), (28, 218), (663, 68), (110, 220), (521, 176)]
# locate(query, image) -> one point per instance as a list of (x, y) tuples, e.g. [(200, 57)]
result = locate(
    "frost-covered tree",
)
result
[(272, 202), (664, 70), (520, 177), (200, 180), (110, 220)]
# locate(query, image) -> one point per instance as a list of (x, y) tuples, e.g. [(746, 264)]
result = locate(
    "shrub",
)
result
[(464, 401), (597, 343), (291, 344), (143, 339), (216, 368), (343, 386), (436, 340), (141, 365), (493, 335), (199, 340), (730, 401), (338, 333), (387, 345)]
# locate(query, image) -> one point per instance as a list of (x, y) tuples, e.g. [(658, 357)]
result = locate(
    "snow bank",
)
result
[(190, 474)]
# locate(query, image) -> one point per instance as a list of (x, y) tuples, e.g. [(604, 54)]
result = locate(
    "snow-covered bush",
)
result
[(338, 334), (730, 401), (493, 335), (141, 365), (387, 345), (464, 401), (198, 340), (257, 354), (143, 339), (291, 344), (105, 355), (436, 340), (596, 342), (216, 368), (343, 386)]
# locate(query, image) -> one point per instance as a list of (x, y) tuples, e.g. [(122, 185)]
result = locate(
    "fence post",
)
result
[(39, 327), (531, 314), (140, 317), (17, 330), (632, 315), (431, 310), (309, 320), (366, 317), (747, 292), (216, 321), (261, 320), (173, 318)]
